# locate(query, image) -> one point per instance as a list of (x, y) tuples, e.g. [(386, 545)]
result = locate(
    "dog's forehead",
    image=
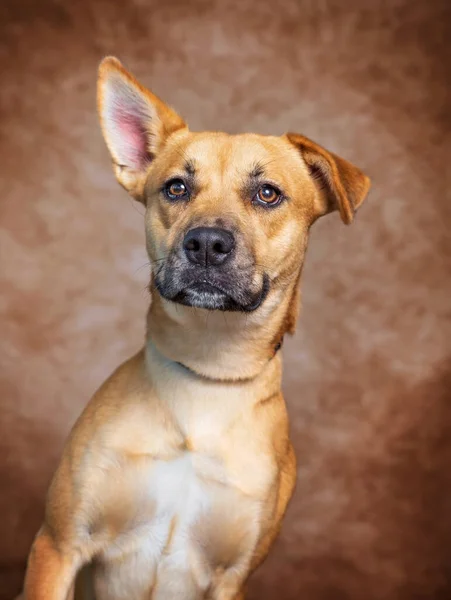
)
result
[(235, 155)]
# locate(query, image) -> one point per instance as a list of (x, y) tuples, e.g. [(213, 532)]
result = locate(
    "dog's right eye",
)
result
[(175, 189)]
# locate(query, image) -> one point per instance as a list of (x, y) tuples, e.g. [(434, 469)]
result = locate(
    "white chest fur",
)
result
[(187, 523)]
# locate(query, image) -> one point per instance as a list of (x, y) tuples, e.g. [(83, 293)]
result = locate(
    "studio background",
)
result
[(368, 374)]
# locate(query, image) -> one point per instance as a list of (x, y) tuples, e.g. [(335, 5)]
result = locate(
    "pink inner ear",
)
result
[(134, 138), (127, 120)]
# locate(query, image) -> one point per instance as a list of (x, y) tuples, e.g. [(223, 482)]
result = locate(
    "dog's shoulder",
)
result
[(127, 386), (121, 431)]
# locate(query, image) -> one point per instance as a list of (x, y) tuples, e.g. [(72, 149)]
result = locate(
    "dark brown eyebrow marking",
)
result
[(257, 172), (252, 180), (190, 167)]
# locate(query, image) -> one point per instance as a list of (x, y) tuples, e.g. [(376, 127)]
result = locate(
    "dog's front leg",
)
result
[(230, 586), (222, 594), (51, 571)]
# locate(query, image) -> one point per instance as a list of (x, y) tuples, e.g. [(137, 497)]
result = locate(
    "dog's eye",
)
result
[(268, 195), (176, 189)]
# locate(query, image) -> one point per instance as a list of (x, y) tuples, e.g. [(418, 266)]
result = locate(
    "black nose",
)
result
[(207, 246)]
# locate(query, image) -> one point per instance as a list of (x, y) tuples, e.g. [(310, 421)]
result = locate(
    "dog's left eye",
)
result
[(176, 189), (268, 195)]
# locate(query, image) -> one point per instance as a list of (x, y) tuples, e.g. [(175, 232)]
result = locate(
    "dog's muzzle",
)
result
[(209, 270)]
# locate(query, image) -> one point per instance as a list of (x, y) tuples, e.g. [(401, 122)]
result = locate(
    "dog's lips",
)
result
[(225, 289), (213, 296), (203, 294)]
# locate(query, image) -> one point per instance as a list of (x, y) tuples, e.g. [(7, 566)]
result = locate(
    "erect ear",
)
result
[(135, 124), (341, 185)]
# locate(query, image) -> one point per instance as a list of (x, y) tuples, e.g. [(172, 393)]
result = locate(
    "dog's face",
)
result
[(227, 216)]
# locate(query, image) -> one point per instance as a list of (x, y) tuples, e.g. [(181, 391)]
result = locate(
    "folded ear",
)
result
[(135, 124), (342, 186)]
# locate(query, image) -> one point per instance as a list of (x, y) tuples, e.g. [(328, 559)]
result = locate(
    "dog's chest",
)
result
[(183, 521), (182, 495), (183, 509)]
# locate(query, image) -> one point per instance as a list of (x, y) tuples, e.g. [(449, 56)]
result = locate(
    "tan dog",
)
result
[(175, 479)]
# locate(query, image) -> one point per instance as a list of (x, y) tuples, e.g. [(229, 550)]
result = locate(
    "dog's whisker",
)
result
[(145, 291), (268, 162), (133, 203), (148, 264), (181, 152)]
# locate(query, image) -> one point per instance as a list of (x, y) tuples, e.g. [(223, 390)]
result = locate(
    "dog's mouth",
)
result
[(215, 296)]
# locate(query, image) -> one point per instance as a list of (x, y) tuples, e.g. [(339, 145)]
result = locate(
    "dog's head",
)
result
[(227, 216)]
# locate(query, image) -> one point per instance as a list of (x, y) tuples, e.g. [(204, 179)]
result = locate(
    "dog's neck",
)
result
[(222, 346)]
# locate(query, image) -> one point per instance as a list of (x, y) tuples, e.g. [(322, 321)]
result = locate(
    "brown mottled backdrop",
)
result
[(368, 375)]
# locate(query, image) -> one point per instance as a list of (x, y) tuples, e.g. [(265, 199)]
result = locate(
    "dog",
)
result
[(174, 481)]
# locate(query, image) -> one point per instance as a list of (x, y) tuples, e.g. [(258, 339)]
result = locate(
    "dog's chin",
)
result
[(209, 297), (204, 295)]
